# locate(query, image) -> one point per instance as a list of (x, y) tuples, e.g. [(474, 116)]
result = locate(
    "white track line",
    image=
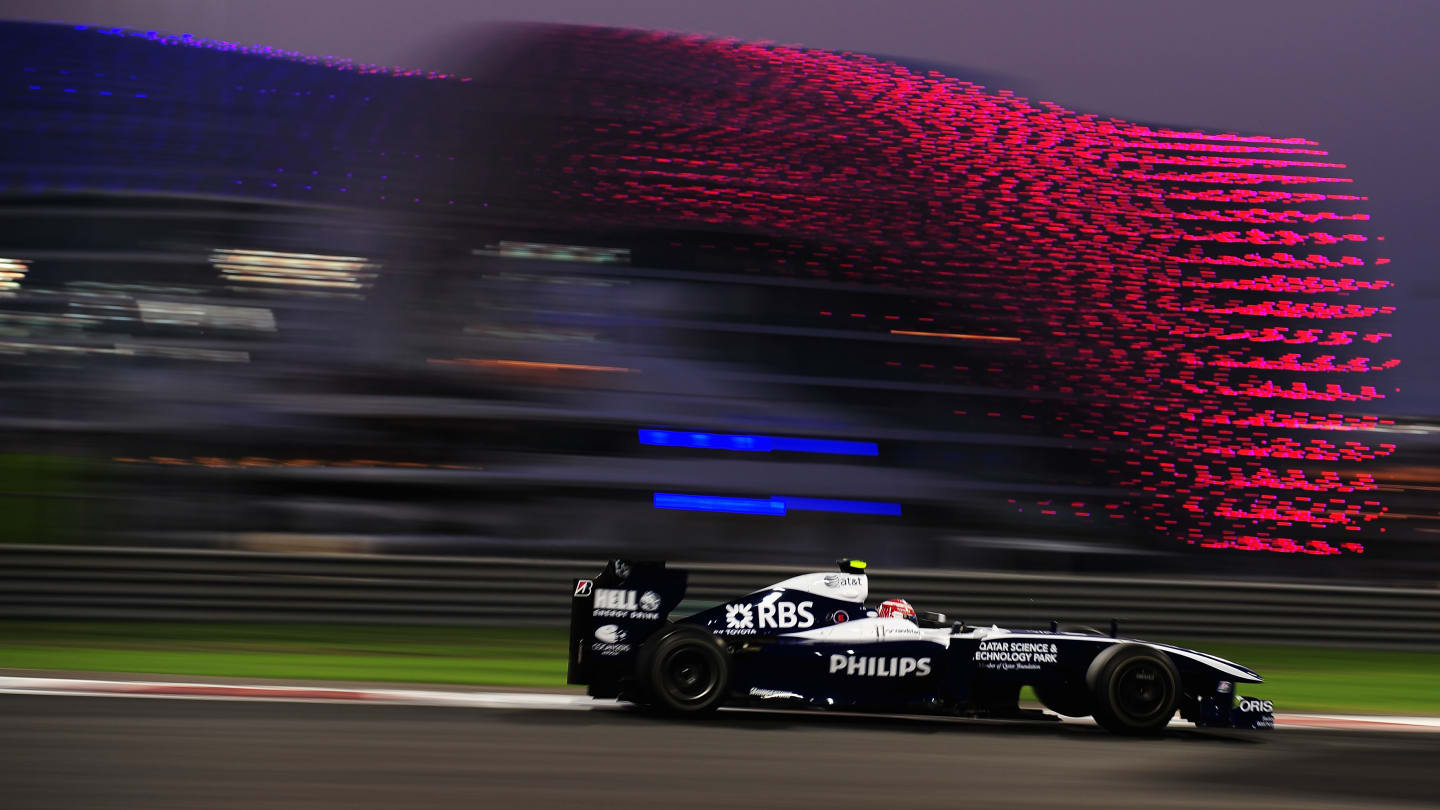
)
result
[(13, 685), (308, 694)]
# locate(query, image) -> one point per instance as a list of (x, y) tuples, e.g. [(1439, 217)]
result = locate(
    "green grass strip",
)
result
[(457, 655), (1339, 681), (1298, 679)]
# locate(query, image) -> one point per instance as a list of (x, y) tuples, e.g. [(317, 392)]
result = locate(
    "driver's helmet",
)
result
[(896, 607)]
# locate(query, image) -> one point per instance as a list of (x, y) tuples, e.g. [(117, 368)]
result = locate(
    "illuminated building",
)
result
[(1049, 323)]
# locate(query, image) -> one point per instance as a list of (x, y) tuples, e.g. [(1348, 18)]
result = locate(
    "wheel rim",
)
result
[(689, 675), (1142, 690)]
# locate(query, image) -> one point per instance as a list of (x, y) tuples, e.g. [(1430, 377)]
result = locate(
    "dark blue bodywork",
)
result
[(778, 655)]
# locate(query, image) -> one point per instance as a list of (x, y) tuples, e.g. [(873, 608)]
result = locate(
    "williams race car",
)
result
[(811, 641)]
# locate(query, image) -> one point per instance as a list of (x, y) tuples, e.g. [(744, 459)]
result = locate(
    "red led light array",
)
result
[(1110, 264)]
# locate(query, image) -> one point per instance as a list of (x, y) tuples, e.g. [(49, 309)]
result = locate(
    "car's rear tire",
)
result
[(685, 670), (1066, 700), (1135, 689)]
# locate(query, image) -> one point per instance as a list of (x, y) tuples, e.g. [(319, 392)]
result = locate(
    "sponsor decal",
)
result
[(1224, 687), (621, 603), (739, 617), (840, 616), (879, 666), (1254, 705), (583, 587), (768, 615), (1008, 655), (772, 693), (843, 580), (900, 628), (610, 633), (622, 570), (610, 640)]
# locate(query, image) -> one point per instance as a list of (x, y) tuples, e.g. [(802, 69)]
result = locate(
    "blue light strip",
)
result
[(713, 503), (831, 446), (777, 505), (706, 441), (755, 444)]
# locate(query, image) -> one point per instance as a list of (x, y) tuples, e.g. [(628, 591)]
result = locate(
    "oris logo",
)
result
[(872, 666), (1253, 705), (610, 634), (610, 641), (584, 587), (748, 618)]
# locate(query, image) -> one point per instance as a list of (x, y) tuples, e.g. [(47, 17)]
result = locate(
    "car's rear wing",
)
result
[(612, 615)]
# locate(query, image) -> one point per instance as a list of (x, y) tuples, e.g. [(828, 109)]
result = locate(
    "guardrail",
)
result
[(165, 584)]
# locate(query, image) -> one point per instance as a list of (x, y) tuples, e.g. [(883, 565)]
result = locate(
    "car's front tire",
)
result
[(685, 670), (1135, 689)]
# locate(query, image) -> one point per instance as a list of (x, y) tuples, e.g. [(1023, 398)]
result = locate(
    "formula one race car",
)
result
[(811, 641)]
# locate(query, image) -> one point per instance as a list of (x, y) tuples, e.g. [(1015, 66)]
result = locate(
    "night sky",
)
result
[(1359, 77)]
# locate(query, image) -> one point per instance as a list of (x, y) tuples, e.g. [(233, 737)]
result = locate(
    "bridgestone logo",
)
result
[(873, 666)]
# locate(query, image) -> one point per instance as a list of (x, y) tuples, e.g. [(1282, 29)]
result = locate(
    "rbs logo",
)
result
[(769, 616)]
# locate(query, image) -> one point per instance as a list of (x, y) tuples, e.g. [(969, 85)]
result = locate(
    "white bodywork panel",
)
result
[(874, 630), (845, 587)]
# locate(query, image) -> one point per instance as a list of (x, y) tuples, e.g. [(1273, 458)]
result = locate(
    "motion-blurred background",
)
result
[(558, 291), (317, 369)]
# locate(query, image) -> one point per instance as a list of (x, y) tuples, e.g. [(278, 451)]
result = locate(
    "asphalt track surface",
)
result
[(104, 752)]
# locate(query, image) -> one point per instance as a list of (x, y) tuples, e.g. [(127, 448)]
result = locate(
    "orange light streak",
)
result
[(957, 336), (530, 364)]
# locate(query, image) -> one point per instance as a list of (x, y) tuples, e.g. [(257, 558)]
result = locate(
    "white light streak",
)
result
[(287, 271), (12, 272)]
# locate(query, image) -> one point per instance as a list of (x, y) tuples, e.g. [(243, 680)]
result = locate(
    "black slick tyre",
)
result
[(1134, 689), (1066, 700), (684, 670)]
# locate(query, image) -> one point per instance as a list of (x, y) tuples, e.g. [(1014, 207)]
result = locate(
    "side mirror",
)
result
[(938, 619)]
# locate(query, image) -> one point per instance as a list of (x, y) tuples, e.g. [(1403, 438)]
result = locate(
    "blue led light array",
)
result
[(755, 443), (778, 505)]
